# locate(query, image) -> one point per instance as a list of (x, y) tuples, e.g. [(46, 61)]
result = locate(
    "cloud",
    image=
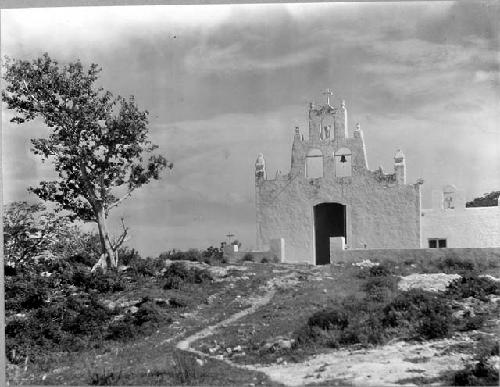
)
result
[(206, 59)]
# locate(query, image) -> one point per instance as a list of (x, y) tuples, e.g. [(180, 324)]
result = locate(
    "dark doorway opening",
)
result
[(329, 221)]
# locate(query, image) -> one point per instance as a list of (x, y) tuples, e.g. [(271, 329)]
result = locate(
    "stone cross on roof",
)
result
[(328, 93)]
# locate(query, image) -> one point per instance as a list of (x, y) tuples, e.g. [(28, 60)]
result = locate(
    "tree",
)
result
[(98, 143), (30, 230), (487, 200)]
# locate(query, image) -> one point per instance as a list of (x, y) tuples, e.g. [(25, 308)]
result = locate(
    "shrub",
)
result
[(329, 319), (127, 256), (212, 254), (380, 288), (453, 264), (83, 258), (471, 285), (248, 257), (174, 282), (122, 329), (111, 281), (178, 302), (177, 255), (419, 313), (104, 378), (365, 328), (25, 293), (380, 270), (148, 267), (64, 325), (147, 313), (273, 259), (191, 275)]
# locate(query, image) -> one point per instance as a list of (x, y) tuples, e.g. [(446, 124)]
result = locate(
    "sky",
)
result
[(223, 83)]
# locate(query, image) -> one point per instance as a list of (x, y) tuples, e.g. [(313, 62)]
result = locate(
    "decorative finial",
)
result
[(260, 167), (297, 131), (343, 104), (399, 156), (358, 126), (328, 93)]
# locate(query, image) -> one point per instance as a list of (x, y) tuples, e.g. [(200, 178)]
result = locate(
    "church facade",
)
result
[(330, 200)]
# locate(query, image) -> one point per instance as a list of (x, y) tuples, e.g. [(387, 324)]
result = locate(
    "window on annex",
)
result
[(436, 243)]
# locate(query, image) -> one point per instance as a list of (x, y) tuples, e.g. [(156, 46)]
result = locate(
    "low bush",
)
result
[(104, 377), (179, 302), (25, 293), (212, 255), (248, 257), (274, 259), (178, 273), (455, 264), (364, 328), (381, 270), (147, 267), (380, 288), (122, 329), (329, 319), (110, 281), (173, 282), (419, 313), (147, 314), (471, 285), (82, 258), (66, 325), (177, 255)]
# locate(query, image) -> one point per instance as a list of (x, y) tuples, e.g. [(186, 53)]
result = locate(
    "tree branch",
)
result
[(121, 238), (115, 203)]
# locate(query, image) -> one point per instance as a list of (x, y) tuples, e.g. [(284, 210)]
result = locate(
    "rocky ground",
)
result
[(241, 332)]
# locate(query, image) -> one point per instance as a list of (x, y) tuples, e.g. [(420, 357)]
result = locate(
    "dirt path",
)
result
[(255, 302), (398, 363)]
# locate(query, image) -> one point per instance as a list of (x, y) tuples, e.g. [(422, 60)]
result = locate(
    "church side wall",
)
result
[(466, 227)]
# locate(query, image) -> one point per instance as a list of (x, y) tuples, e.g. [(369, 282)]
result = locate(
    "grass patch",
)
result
[(186, 370)]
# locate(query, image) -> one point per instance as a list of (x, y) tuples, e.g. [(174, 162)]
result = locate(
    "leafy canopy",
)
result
[(97, 143)]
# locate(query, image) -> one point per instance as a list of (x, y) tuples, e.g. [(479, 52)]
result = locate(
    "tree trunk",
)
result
[(108, 257)]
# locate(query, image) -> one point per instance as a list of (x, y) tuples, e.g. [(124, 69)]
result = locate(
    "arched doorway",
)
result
[(329, 221)]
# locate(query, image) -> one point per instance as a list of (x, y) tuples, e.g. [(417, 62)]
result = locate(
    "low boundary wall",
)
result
[(400, 255)]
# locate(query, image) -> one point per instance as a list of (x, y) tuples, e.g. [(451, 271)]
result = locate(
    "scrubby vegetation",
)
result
[(212, 255), (385, 313), (55, 303), (471, 285)]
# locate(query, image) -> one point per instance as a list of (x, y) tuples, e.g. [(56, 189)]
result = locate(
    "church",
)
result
[(331, 201)]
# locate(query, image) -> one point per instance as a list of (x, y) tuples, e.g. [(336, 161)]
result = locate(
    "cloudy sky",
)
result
[(225, 82)]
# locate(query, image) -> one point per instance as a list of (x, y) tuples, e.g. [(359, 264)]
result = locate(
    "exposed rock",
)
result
[(490, 277), (365, 263), (132, 309), (433, 282)]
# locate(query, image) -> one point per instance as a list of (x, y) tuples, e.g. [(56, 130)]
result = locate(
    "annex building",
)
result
[(331, 201)]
